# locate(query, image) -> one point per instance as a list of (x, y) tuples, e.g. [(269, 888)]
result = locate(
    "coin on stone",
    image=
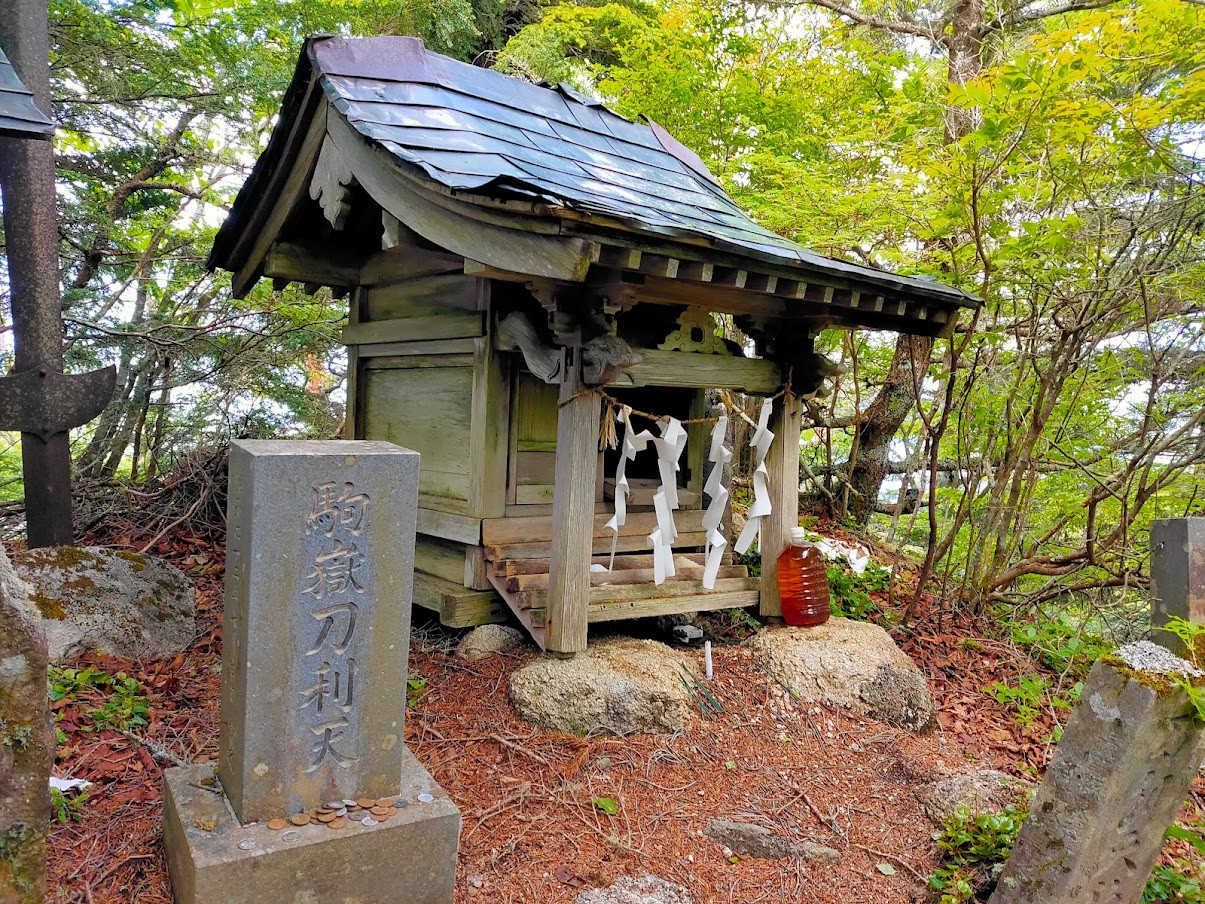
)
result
[(300, 819), (338, 822), (333, 804), (380, 811), (357, 815), (348, 803), (426, 798), (342, 811), (366, 802), (328, 818), (277, 824), (369, 821), (401, 802), (384, 801)]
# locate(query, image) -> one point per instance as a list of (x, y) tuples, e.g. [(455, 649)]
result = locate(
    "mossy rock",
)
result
[(119, 601)]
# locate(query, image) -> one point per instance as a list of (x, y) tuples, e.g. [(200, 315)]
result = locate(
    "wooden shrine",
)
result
[(507, 249)]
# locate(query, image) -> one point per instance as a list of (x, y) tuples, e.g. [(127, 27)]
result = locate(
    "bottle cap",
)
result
[(799, 536)]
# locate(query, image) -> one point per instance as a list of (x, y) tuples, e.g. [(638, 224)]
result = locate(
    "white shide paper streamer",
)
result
[(669, 448), (760, 443), (719, 456), (632, 443)]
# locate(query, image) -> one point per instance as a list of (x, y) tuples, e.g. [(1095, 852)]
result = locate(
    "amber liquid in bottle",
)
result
[(803, 584)]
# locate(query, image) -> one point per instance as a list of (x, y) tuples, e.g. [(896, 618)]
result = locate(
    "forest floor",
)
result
[(531, 830)]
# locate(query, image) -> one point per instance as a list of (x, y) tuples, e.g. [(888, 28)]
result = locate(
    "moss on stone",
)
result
[(60, 556), (49, 606), (20, 860), (136, 559), (1159, 682)]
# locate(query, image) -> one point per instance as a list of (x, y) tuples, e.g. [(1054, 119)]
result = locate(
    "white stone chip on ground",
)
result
[(1150, 657)]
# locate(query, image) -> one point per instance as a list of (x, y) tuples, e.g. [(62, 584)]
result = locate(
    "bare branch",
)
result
[(896, 26)]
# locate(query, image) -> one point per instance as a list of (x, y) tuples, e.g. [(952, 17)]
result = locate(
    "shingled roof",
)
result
[(508, 147), (19, 115)]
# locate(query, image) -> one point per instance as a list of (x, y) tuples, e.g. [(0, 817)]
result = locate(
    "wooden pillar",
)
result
[(782, 465), (572, 514)]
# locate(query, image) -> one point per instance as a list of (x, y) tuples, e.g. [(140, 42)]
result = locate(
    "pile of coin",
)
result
[(335, 814)]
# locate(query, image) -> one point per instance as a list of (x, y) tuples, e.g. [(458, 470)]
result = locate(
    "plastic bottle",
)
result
[(803, 582)]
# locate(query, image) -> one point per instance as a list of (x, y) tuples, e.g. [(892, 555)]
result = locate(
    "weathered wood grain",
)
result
[(782, 466), (572, 516)]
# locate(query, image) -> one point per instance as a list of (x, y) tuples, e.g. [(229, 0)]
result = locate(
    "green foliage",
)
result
[(1030, 695), (973, 846), (416, 689), (68, 807), (851, 592), (123, 706), (606, 805), (1171, 884), (1060, 645)]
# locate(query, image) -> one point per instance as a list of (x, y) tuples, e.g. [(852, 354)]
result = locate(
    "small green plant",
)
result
[(751, 559), (1169, 884), (416, 689), (1192, 636), (123, 708), (66, 808), (974, 846), (1030, 694), (1061, 646), (851, 592)]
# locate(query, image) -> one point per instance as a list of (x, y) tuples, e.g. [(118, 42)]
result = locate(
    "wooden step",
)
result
[(511, 567), (685, 571), (542, 549), (458, 607), (637, 593), (505, 531)]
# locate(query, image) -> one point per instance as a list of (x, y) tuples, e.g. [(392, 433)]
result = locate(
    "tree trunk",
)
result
[(882, 420)]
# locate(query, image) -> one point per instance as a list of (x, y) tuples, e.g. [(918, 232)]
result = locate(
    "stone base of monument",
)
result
[(214, 860)]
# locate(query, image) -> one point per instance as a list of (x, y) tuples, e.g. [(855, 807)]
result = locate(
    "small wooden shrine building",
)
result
[(19, 115), (505, 248)]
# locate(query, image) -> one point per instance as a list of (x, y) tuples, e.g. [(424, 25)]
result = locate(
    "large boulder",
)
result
[(851, 664), (637, 890), (618, 685), (121, 602), (978, 790)]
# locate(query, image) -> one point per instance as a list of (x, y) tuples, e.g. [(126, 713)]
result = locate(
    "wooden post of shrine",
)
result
[(572, 512), (782, 465)]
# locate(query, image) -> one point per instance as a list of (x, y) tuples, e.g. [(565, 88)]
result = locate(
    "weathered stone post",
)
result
[(1177, 576), (317, 799), (1122, 770), (26, 745)]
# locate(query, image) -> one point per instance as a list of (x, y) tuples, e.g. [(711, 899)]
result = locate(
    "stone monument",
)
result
[(1125, 763), (1177, 576), (315, 798)]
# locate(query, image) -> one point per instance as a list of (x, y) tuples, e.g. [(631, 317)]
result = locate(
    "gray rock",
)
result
[(632, 890), (1125, 763), (1150, 657), (114, 600), (618, 684), (751, 840), (852, 664), (486, 640), (979, 790)]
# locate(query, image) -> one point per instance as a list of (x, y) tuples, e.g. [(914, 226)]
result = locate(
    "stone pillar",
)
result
[(316, 630), (1177, 576), (1123, 767), (26, 745)]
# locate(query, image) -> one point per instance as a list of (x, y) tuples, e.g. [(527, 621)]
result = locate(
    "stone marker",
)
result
[(319, 576), (26, 744), (1177, 575), (1122, 769)]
